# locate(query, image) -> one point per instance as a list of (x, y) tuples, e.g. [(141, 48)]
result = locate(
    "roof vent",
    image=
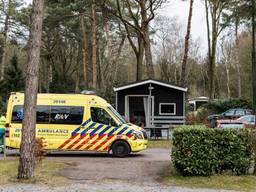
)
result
[(88, 92)]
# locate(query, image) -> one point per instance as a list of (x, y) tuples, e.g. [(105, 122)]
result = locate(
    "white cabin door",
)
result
[(138, 109)]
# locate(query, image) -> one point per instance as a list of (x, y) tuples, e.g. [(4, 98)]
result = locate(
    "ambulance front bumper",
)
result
[(139, 145)]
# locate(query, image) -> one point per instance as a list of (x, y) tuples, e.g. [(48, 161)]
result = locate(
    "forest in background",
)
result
[(90, 44)]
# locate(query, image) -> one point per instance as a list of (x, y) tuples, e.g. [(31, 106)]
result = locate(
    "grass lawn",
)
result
[(240, 183), (45, 173), (159, 144)]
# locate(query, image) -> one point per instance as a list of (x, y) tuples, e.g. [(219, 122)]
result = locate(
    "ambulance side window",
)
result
[(71, 115), (45, 114), (101, 116), (42, 114), (17, 114)]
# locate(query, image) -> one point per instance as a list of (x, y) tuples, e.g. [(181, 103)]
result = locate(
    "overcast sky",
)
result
[(180, 9)]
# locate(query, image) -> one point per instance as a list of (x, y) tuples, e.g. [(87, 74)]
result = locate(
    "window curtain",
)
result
[(127, 110), (145, 102)]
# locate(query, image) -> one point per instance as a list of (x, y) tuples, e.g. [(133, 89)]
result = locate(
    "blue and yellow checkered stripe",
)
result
[(94, 136)]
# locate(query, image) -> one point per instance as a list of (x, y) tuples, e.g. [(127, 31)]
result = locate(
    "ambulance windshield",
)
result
[(117, 115)]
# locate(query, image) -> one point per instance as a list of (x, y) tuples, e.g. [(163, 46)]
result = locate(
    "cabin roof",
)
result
[(147, 81)]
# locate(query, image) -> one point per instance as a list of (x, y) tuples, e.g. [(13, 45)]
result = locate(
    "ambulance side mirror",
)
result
[(112, 123)]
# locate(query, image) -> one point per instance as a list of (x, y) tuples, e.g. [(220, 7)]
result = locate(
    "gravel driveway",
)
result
[(101, 187), (146, 166), (104, 173)]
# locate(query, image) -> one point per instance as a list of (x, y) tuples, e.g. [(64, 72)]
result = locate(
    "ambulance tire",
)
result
[(120, 149)]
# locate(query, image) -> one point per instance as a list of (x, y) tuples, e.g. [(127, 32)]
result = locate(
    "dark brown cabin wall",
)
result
[(168, 95), (162, 95), (139, 90)]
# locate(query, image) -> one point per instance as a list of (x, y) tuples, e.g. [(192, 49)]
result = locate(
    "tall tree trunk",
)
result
[(239, 89), (228, 79), (175, 74), (212, 59), (209, 78), (208, 30), (146, 38), (94, 47), (77, 81), (48, 74), (253, 63), (185, 58), (119, 51), (212, 67), (5, 34), (138, 47), (139, 58), (84, 49), (106, 78), (216, 86), (27, 155), (204, 81), (40, 80), (47, 86), (216, 9), (78, 66), (148, 55), (109, 51)]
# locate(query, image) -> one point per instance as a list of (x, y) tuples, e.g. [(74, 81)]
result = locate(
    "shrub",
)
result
[(39, 149), (203, 151), (191, 118), (197, 117), (192, 126), (253, 144), (215, 107), (219, 106)]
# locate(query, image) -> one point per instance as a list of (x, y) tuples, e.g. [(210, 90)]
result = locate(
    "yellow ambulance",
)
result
[(75, 122)]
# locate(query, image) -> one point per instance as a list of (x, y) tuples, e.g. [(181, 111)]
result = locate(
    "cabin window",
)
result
[(167, 108)]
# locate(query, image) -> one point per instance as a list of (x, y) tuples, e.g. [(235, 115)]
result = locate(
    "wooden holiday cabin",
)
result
[(155, 105)]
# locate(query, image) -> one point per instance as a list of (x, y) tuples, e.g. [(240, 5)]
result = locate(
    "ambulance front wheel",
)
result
[(121, 149)]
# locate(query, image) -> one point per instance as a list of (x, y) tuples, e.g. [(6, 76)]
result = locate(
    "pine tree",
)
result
[(13, 76), (13, 79), (28, 139)]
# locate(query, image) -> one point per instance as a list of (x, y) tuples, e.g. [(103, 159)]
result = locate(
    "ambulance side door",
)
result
[(65, 124), (103, 131)]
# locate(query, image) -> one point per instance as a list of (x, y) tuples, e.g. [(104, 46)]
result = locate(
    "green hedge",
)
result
[(203, 151)]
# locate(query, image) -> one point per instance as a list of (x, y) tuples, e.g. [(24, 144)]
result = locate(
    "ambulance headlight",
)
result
[(137, 135)]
